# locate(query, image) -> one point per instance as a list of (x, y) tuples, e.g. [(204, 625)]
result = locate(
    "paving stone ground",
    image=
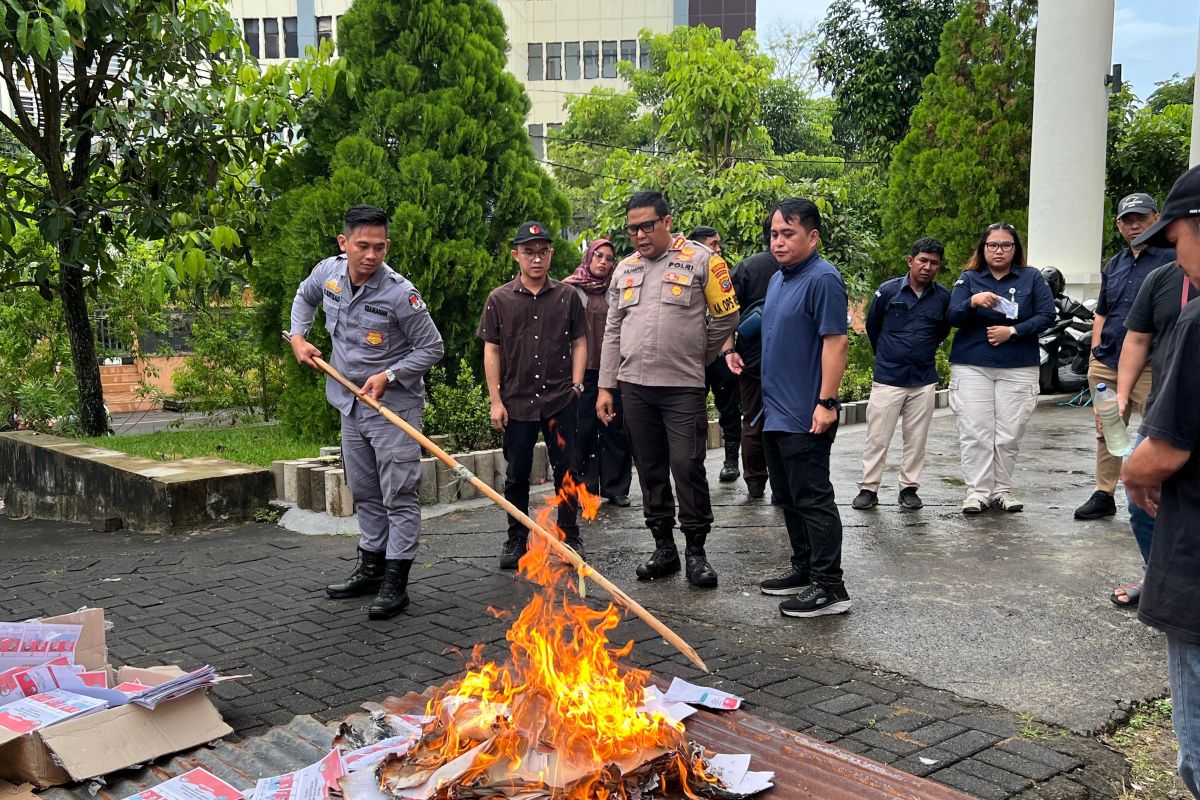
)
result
[(249, 600)]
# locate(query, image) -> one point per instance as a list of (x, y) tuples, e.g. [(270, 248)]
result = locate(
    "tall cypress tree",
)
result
[(965, 161), (430, 127)]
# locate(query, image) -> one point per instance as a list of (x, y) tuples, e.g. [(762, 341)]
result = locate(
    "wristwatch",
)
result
[(578, 388), (728, 352), (832, 403), (391, 376)]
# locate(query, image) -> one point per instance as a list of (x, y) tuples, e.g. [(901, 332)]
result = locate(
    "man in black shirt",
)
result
[(750, 280), (1163, 477)]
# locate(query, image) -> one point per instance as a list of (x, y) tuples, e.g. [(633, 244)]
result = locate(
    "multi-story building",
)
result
[(557, 47)]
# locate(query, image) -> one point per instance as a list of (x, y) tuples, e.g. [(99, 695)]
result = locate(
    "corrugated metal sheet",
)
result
[(804, 767), (283, 749)]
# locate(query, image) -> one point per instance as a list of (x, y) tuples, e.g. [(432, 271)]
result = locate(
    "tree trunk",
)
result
[(92, 417)]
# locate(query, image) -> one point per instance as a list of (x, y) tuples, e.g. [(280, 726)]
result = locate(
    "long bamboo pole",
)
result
[(566, 553)]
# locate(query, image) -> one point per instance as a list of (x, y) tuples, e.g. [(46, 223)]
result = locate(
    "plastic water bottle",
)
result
[(1116, 438)]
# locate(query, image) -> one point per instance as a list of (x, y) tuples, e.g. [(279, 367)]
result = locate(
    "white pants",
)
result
[(886, 406), (993, 407)]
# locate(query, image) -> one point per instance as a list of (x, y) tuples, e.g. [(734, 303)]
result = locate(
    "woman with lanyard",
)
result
[(999, 306), (602, 455)]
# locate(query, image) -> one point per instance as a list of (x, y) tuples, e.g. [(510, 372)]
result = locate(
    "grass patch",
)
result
[(1148, 743), (257, 445)]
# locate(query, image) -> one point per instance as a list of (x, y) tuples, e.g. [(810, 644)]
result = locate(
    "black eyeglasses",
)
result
[(1000, 247), (535, 255), (644, 227)]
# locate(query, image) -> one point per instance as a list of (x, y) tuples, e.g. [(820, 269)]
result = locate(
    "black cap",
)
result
[(1182, 201), (1136, 203), (532, 231)]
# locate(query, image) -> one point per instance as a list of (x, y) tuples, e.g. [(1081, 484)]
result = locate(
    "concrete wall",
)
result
[(48, 477)]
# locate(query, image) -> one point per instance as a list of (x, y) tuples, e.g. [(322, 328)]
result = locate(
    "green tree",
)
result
[(798, 122), (1174, 92), (434, 133), (965, 160), (152, 119), (874, 54)]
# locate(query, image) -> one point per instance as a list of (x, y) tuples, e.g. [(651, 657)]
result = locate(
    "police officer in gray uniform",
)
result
[(385, 341)]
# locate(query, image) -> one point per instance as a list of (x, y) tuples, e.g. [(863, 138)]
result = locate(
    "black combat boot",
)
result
[(665, 559), (366, 578), (393, 594), (699, 573)]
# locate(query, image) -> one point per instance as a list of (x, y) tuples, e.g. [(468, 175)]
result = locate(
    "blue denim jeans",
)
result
[(1184, 670), (1141, 523)]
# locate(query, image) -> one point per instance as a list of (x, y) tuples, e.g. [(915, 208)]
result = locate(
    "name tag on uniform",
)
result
[(332, 295), (378, 311)]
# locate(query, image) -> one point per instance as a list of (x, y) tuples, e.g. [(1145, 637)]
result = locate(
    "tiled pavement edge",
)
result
[(250, 600)]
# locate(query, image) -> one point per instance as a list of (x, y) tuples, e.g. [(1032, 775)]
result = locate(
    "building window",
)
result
[(535, 62), (271, 37), (644, 60), (608, 65), (554, 61), (538, 141), (324, 28), (571, 61), (250, 28), (591, 60), (291, 47), (629, 51)]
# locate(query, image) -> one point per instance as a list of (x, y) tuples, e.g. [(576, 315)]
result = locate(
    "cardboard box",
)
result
[(113, 739)]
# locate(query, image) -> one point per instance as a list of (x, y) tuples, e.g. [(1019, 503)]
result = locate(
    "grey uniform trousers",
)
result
[(383, 469)]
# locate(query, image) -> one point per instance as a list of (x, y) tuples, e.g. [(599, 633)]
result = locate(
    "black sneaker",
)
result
[(790, 582), (511, 554), (620, 500), (1101, 504), (729, 472), (909, 499), (816, 601), (866, 499)]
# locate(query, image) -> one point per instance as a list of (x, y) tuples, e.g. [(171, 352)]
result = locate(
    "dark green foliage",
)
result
[(875, 54), (964, 163), (798, 122), (460, 409), (434, 134), (1174, 92)]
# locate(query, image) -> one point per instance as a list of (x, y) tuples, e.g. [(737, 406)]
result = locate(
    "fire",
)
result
[(562, 714)]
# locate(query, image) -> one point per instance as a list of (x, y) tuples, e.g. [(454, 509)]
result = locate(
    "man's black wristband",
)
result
[(730, 351)]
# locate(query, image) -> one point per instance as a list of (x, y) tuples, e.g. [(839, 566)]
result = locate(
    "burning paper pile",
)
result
[(560, 718)]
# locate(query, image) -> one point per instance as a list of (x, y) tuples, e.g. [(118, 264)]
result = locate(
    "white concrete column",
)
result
[(1070, 126), (1194, 154)]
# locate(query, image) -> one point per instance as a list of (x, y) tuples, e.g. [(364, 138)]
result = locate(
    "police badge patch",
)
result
[(415, 302), (374, 338)]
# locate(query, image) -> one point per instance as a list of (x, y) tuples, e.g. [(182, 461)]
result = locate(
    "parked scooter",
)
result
[(1065, 347)]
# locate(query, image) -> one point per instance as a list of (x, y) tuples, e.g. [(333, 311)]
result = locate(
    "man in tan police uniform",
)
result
[(671, 307)]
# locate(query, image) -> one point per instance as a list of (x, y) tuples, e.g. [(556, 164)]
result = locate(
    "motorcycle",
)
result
[(1065, 347)]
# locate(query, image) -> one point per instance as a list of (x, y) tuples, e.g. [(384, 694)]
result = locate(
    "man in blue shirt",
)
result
[(804, 347), (905, 323), (1120, 281)]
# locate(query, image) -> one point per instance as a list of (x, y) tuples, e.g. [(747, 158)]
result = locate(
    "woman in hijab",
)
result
[(602, 455)]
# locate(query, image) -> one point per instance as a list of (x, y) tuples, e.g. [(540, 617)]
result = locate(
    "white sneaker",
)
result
[(1008, 502), (974, 504)]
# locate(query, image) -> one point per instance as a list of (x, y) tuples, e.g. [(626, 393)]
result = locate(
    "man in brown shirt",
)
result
[(671, 307), (534, 353)]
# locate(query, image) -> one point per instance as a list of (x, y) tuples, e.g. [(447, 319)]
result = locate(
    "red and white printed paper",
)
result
[(197, 784), (27, 644), (33, 713), (314, 782)]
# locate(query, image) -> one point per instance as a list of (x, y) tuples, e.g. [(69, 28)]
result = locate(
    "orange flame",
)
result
[(563, 691)]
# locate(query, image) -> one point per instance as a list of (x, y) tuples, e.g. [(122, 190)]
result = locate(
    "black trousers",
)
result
[(520, 436), (668, 434), (725, 391), (601, 451), (754, 460), (799, 467)]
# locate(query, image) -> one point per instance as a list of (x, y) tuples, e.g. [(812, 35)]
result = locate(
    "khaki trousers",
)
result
[(1108, 466), (886, 406), (993, 407)]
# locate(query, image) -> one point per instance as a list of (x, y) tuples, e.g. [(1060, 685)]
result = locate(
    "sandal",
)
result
[(1126, 595)]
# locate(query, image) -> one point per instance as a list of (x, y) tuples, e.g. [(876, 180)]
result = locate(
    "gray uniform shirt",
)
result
[(667, 317), (384, 325)]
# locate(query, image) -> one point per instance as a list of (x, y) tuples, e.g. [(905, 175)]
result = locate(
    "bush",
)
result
[(860, 365), (460, 410), (228, 369)]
